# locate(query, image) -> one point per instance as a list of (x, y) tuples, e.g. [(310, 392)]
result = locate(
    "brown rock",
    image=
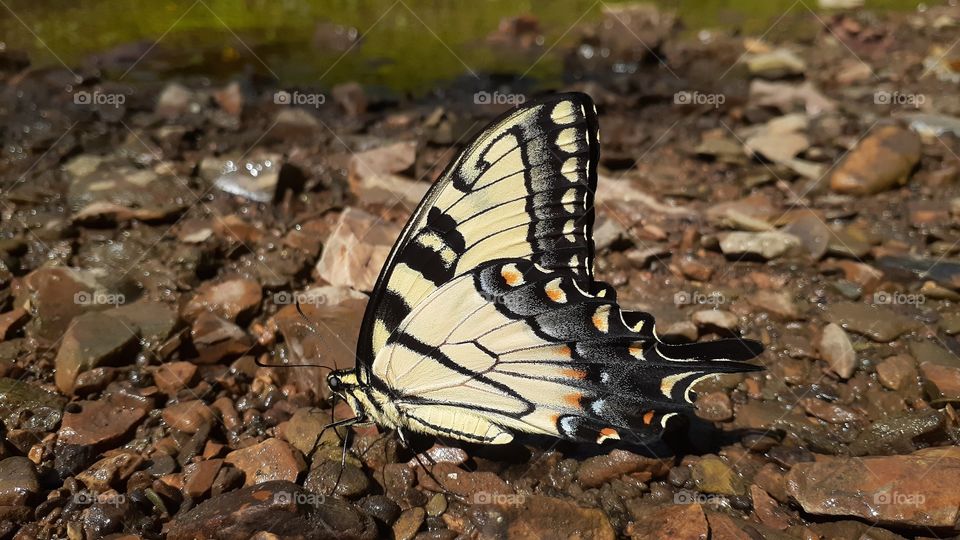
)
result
[(94, 339), (829, 412), (216, 339), (883, 159), (862, 274), (100, 423), (18, 481), (837, 350), (878, 323), (232, 299), (11, 322), (351, 98), (532, 517), (280, 508), (666, 522), (695, 269), (946, 380), (716, 318), (724, 527), (915, 490), (408, 523), (812, 232), (768, 510), (374, 178), (230, 99), (475, 487), (53, 295), (597, 470), (188, 416), (714, 406), (175, 376), (356, 250), (897, 372), (712, 475), (272, 459), (198, 477), (326, 338), (111, 471), (779, 303)]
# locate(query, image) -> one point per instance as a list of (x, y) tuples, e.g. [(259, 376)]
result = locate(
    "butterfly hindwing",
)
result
[(523, 188), (515, 347)]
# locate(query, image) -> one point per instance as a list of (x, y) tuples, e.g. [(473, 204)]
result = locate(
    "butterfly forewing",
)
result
[(523, 189)]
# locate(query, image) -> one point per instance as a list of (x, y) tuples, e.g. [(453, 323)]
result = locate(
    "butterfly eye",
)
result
[(334, 383)]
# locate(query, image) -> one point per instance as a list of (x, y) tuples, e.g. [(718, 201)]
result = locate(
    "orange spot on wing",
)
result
[(564, 351), (648, 417), (511, 276), (556, 294), (607, 433), (574, 373), (574, 399)]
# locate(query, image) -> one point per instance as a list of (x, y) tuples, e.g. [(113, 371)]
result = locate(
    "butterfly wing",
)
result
[(515, 347), (522, 188)]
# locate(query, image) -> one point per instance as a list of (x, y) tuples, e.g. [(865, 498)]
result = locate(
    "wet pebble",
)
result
[(880, 161), (18, 481), (767, 245), (878, 323), (356, 249), (349, 480), (597, 470), (272, 459), (837, 350)]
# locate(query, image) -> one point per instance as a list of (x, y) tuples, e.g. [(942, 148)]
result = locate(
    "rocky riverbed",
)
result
[(156, 236)]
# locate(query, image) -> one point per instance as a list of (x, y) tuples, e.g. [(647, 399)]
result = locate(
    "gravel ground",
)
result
[(155, 236)]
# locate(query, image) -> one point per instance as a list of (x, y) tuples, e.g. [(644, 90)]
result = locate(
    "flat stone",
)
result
[(714, 406), (255, 177), (175, 376), (114, 469), (666, 522), (875, 322), (779, 303), (216, 339), (768, 245), (94, 339), (188, 416), (713, 475), (232, 299), (45, 408), (882, 160), (837, 350), (272, 459), (897, 372), (100, 423), (536, 516), (356, 250), (915, 490), (776, 63), (198, 477), (278, 508), (597, 470), (813, 233), (18, 481), (716, 318), (408, 523)]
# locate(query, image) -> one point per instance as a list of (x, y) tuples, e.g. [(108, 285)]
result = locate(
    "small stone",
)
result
[(408, 523), (596, 471), (272, 459), (714, 406), (356, 250), (44, 409), (437, 505), (350, 480), (294, 124), (812, 232), (472, 486), (232, 299), (94, 339), (713, 475), (779, 303), (175, 101), (188, 416), (198, 477), (112, 470), (768, 510), (882, 160), (895, 433), (666, 522), (175, 376), (230, 99), (374, 175), (837, 350), (100, 423), (768, 245), (716, 318), (915, 490), (18, 481), (775, 64), (257, 176), (216, 339), (945, 379), (695, 269), (829, 412), (876, 322), (897, 372)]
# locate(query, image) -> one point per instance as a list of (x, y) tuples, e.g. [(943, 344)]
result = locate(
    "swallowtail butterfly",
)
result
[(486, 321)]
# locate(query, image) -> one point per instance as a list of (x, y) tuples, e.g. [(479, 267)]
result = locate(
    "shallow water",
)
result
[(403, 45)]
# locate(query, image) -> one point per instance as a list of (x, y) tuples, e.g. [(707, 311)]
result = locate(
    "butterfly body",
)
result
[(486, 321)]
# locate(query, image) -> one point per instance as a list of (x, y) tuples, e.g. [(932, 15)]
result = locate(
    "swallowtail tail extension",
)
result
[(486, 321)]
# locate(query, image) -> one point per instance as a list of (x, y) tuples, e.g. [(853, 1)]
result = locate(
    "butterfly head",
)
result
[(345, 384)]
